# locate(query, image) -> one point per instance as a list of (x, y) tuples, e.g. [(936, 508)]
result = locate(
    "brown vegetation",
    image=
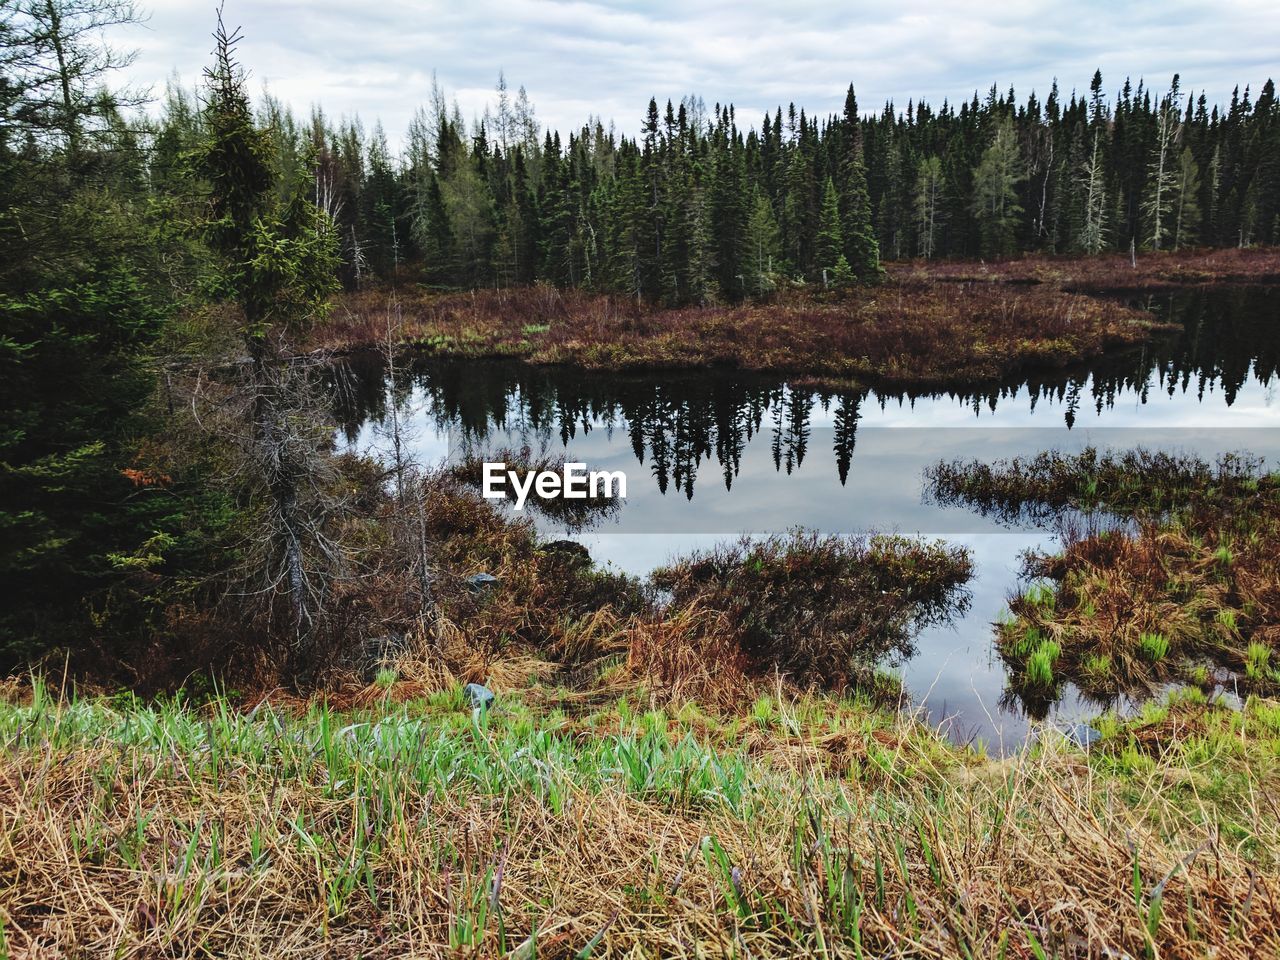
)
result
[(135, 831), (909, 332), (1107, 272), (824, 611), (1189, 592)]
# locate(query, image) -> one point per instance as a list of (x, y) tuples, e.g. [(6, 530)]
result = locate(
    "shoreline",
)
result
[(945, 325)]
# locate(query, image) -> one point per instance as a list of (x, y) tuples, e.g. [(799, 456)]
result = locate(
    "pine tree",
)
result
[(995, 199), (861, 250), (829, 245), (278, 259), (433, 233), (764, 246)]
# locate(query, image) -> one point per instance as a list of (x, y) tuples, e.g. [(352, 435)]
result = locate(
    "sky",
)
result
[(578, 58)]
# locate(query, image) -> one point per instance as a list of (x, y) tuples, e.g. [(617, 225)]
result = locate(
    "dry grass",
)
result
[(136, 831), (1166, 270), (822, 611), (910, 332), (1188, 593)]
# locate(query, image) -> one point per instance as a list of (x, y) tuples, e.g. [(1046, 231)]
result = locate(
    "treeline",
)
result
[(697, 209)]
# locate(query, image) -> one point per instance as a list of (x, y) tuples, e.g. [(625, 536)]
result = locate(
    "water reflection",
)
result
[(1228, 351), (764, 453)]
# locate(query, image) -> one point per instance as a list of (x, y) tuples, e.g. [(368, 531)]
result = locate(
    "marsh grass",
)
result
[(913, 332), (1166, 270), (801, 826), (822, 611), (1187, 592), (805, 610)]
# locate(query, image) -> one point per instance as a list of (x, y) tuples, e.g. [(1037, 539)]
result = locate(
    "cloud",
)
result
[(580, 57)]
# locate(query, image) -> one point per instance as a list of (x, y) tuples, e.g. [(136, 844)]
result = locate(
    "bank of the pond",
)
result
[(1110, 272), (907, 332), (1187, 592), (931, 324), (550, 826)]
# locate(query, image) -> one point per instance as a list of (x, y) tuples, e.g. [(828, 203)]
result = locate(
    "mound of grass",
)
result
[(1188, 592), (822, 611), (913, 332)]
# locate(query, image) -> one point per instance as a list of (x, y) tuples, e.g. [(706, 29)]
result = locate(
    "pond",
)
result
[(713, 455)]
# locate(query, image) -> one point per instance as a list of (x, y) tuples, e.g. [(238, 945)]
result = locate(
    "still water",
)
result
[(710, 456)]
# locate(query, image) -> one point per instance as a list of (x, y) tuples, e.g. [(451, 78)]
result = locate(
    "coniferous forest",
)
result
[(705, 205)]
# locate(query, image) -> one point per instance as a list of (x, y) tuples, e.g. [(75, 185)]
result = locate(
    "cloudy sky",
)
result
[(600, 57)]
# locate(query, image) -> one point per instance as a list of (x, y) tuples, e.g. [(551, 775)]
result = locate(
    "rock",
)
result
[(1083, 735), (481, 582), (479, 696)]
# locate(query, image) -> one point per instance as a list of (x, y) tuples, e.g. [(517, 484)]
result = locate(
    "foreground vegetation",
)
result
[(560, 825), (1188, 591)]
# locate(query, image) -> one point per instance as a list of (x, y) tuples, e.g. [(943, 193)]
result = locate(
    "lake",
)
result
[(713, 455)]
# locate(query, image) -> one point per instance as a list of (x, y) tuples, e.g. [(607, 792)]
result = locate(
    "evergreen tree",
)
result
[(830, 240), (861, 250), (764, 246), (995, 197), (433, 233), (278, 260)]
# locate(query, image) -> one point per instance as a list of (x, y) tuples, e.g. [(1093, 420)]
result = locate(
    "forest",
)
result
[(704, 205)]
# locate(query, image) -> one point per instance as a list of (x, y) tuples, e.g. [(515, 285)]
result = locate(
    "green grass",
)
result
[(807, 825), (1153, 645)]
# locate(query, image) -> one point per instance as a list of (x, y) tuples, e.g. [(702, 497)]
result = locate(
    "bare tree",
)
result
[(928, 204), (406, 471), (1093, 234), (1159, 202)]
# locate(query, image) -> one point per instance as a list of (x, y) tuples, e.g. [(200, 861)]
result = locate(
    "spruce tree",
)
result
[(860, 246), (829, 245), (433, 233), (764, 246), (995, 198)]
